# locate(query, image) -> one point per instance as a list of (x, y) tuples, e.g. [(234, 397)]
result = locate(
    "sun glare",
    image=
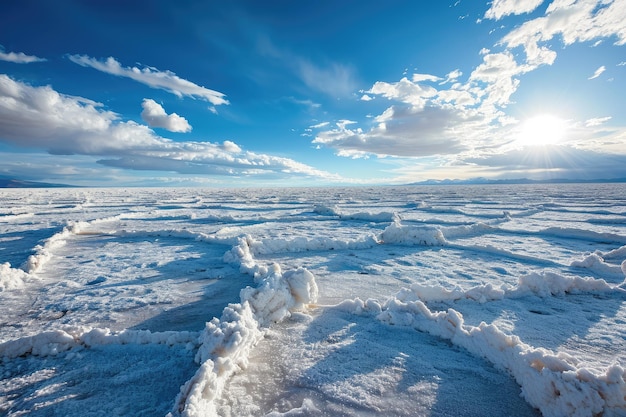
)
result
[(541, 130)]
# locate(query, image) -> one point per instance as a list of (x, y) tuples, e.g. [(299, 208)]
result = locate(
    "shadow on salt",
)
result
[(107, 380), (350, 364), (573, 323), (192, 316)]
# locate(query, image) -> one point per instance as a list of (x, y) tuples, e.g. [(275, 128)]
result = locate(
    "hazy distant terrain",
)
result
[(15, 183)]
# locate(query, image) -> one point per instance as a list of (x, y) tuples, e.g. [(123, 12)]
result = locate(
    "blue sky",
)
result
[(280, 93)]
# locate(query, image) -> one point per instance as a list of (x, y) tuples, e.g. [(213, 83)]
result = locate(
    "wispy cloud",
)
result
[(597, 121), (152, 77), (42, 118), (155, 116), (452, 76), (319, 125), (18, 57), (307, 103), (597, 72), (334, 79)]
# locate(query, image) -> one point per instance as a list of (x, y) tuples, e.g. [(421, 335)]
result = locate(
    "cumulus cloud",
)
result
[(498, 72), (152, 77), (154, 114), (502, 8), (18, 57), (231, 147), (405, 91), (470, 114), (42, 118), (441, 119), (422, 121), (597, 72), (400, 131)]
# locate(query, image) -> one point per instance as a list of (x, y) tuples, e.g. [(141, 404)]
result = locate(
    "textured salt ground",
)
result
[(335, 363)]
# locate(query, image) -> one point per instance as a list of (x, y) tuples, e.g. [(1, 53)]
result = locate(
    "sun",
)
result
[(541, 130)]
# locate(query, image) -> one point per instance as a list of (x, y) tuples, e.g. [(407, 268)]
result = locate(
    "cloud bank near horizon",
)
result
[(42, 118)]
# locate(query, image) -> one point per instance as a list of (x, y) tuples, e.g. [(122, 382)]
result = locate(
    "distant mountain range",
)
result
[(515, 181), (15, 183)]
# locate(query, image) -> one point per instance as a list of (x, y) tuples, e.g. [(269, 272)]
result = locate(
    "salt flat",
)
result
[(403, 301)]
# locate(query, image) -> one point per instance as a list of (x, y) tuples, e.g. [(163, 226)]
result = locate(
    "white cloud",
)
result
[(404, 91), (231, 147), (320, 125), (41, 118), (597, 121), (502, 8), (424, 77), (164, 80), (403, 131), (597, 72), (154, 114), (425, 121), (498, 71), (451, 76), (344, 122), (575, 21), (18, 57)]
